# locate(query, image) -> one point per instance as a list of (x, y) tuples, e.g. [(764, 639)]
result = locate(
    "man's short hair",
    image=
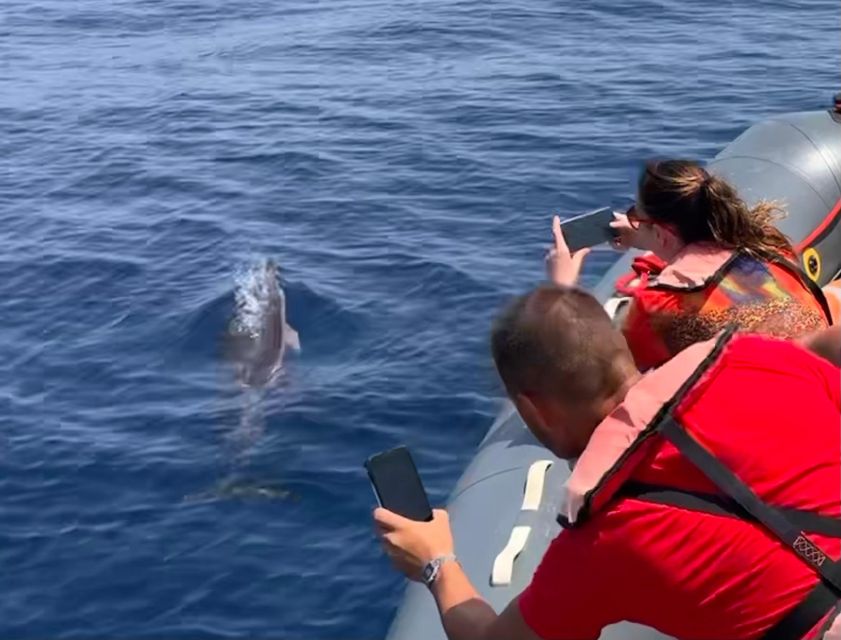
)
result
[(559, 341)]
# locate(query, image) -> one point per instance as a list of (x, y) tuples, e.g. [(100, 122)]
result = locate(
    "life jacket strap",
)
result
[(802, 618), (820, 602), (827, 594), (811, 285)]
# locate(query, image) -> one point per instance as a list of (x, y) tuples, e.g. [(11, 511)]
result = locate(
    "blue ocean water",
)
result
[(401, 162)]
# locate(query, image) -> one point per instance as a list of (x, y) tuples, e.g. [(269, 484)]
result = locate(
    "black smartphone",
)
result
[(397, 485), (588, 229)]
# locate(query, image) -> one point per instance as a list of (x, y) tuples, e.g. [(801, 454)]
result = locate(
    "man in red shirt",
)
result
[(683, 479)]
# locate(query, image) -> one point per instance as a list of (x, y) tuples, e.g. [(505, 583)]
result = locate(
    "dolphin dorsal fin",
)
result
[(290, 337)]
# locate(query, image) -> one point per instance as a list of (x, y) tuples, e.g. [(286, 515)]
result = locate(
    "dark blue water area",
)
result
[(401, 162)]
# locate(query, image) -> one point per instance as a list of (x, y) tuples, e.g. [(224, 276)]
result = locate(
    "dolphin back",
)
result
[(259, 334)]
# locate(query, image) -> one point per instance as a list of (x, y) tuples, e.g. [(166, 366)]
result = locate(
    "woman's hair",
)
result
[(703, 207)]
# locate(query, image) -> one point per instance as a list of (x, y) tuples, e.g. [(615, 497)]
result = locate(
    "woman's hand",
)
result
[(563, 267), (626, 235)]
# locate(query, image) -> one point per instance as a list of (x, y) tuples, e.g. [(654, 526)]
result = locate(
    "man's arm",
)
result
[(464, 613), (466, 616), (570, 595), (825, 343)]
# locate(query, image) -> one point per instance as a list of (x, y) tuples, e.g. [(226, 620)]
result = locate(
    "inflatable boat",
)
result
[(503, 509)]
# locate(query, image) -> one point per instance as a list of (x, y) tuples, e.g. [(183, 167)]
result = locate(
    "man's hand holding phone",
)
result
[(417, 539), (412, 545)]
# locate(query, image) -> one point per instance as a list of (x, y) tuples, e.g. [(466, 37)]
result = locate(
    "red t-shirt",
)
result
[(770, 411)]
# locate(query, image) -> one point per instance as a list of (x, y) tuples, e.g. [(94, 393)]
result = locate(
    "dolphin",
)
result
[(259, 335), (255, 343)]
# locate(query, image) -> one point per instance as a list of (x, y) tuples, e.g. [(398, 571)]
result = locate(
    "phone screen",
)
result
[(589, 229), (397, 485)]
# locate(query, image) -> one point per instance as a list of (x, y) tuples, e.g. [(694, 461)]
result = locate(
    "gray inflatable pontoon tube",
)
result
[(503, 509)]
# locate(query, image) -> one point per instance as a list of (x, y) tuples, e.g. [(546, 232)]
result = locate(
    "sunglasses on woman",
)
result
[(635, 220)]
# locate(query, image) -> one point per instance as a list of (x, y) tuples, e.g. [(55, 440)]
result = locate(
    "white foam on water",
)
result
[(253, 286)]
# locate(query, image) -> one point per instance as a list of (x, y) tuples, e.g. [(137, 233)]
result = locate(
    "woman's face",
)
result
[(654, 236)]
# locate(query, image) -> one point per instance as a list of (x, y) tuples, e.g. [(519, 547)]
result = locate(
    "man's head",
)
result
[(563, 364)]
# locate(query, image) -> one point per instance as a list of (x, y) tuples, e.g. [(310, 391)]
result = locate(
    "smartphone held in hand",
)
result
[(397, 485), (589, 229)]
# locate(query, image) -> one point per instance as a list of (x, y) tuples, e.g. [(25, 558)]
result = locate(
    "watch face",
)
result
[(429, 572)]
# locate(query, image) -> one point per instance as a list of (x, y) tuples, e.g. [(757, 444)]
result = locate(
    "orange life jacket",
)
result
[(705, 289)]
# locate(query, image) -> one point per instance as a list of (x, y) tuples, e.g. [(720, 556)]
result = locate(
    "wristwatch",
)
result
[(433, 568)]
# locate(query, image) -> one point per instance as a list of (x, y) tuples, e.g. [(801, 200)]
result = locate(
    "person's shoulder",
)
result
[(763, 346), (772, 354), (597, 547), (601, 532)]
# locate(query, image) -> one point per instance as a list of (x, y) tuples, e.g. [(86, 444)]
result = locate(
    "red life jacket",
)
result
[(705, 289), (669, 444)]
